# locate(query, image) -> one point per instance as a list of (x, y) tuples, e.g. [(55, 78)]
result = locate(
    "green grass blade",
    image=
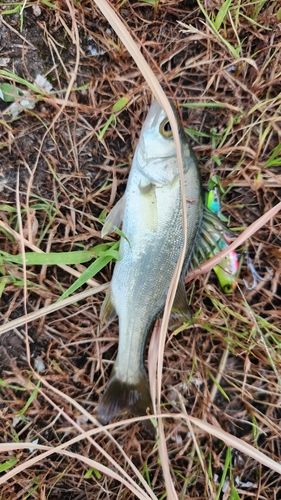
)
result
[(8, 464), (11, 11), (234, 51), (30, 400), (218, 385), (104, 129), (233, 494), (222, 13), (255, 23), (10, 93), (18, 79), (227, 464), (93, 269), (120, 104), (272, 161), (196, 105), (94, 471), (11, 386), (39, 259), (49, 4)]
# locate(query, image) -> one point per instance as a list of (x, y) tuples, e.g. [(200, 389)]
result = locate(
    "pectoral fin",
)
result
[(180, 307), (107, 312), (114, 218), (149, 209)]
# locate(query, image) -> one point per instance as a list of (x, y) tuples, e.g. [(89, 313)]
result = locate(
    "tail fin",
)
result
[(119, 397)]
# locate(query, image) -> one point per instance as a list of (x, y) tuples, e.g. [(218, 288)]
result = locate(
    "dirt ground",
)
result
[(57, 177)]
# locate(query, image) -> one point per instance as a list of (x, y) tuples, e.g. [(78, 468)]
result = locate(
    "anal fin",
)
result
[(180, 307), (107, 312)]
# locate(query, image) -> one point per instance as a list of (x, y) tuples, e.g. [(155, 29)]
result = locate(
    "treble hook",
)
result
[(255, 275)]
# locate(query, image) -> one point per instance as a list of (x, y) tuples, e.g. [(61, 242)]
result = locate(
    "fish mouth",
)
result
[(155, 115)]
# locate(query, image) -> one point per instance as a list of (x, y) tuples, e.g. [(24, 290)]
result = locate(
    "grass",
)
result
[(64, 163), (117, 106)]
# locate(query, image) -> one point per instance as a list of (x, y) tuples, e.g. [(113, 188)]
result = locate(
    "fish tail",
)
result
[(119, 397)]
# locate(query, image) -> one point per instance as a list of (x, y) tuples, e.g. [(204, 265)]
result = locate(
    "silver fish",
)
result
[(151, 211)]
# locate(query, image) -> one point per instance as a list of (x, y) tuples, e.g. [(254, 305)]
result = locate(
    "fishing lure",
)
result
[(227, 269), (255, 275)]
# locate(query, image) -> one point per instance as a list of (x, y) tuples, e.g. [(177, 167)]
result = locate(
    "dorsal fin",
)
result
[(213, 236)]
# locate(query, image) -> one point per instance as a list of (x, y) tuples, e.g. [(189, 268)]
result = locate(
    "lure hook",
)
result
[(255, 275)]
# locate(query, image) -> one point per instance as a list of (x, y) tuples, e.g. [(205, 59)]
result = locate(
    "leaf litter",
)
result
[(224, 369)]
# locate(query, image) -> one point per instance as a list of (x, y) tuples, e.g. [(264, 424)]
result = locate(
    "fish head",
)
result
[(156, 152)]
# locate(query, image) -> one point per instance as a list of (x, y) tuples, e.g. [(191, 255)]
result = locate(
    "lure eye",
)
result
[(228, 288), (165, 128)]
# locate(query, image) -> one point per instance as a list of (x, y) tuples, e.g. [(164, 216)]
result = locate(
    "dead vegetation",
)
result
[(61, 166)]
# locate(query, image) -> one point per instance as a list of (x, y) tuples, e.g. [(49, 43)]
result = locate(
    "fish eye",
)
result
[(165, 128)]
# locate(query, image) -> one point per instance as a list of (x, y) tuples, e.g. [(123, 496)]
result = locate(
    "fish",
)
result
[(227, 269), (152, 226)]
